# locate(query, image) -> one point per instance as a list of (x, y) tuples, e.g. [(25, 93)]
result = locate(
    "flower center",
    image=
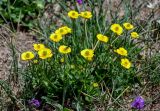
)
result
[(65, 48), (87, 53), (61, 30), (44, 53), (85, 14), (128, 25), (116, 28), (134, 34), (55, 36), (38, 46), (73, 14), (27, 55), (122, 51), (126, 63)]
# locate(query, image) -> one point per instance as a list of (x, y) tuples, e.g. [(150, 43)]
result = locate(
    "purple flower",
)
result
[(34, 102), (79, 2), (138, 103)]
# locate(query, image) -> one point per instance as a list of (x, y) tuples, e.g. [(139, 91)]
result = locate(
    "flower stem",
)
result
[(96, 45), (85, 30)]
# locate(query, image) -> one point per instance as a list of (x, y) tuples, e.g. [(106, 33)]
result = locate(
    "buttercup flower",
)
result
[(34, 102), (138, 103), (73, 14), (116, 28), (63, 30), (79, 2), (128, 26), (95, 84), (87, 54), (69, 30), (38, 47), (102, 38), (55, 37), (35, 61), (125, 63), (45, 53), (64, 49), (121, 51), (86, 14), (134, 35), (28, 55)]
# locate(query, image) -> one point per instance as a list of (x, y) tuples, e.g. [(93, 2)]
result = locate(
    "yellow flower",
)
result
[(62, 60), (69, 30), (128, 26), (35, 61), (55, 37), (38, 47), (28, 55), (102, 38), (125, 63), (73, 14), (86, 14), (64, 49), (87, 54), (45, 53), (116, 28), (95, 84), (134, 35), (63, 30), (121, 51)]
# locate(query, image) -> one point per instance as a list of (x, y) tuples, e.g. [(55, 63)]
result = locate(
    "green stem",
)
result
[(121, 94), (96, 45), (66, 82), (64, 95), (74, 32), (85, 30), (114, 40)]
